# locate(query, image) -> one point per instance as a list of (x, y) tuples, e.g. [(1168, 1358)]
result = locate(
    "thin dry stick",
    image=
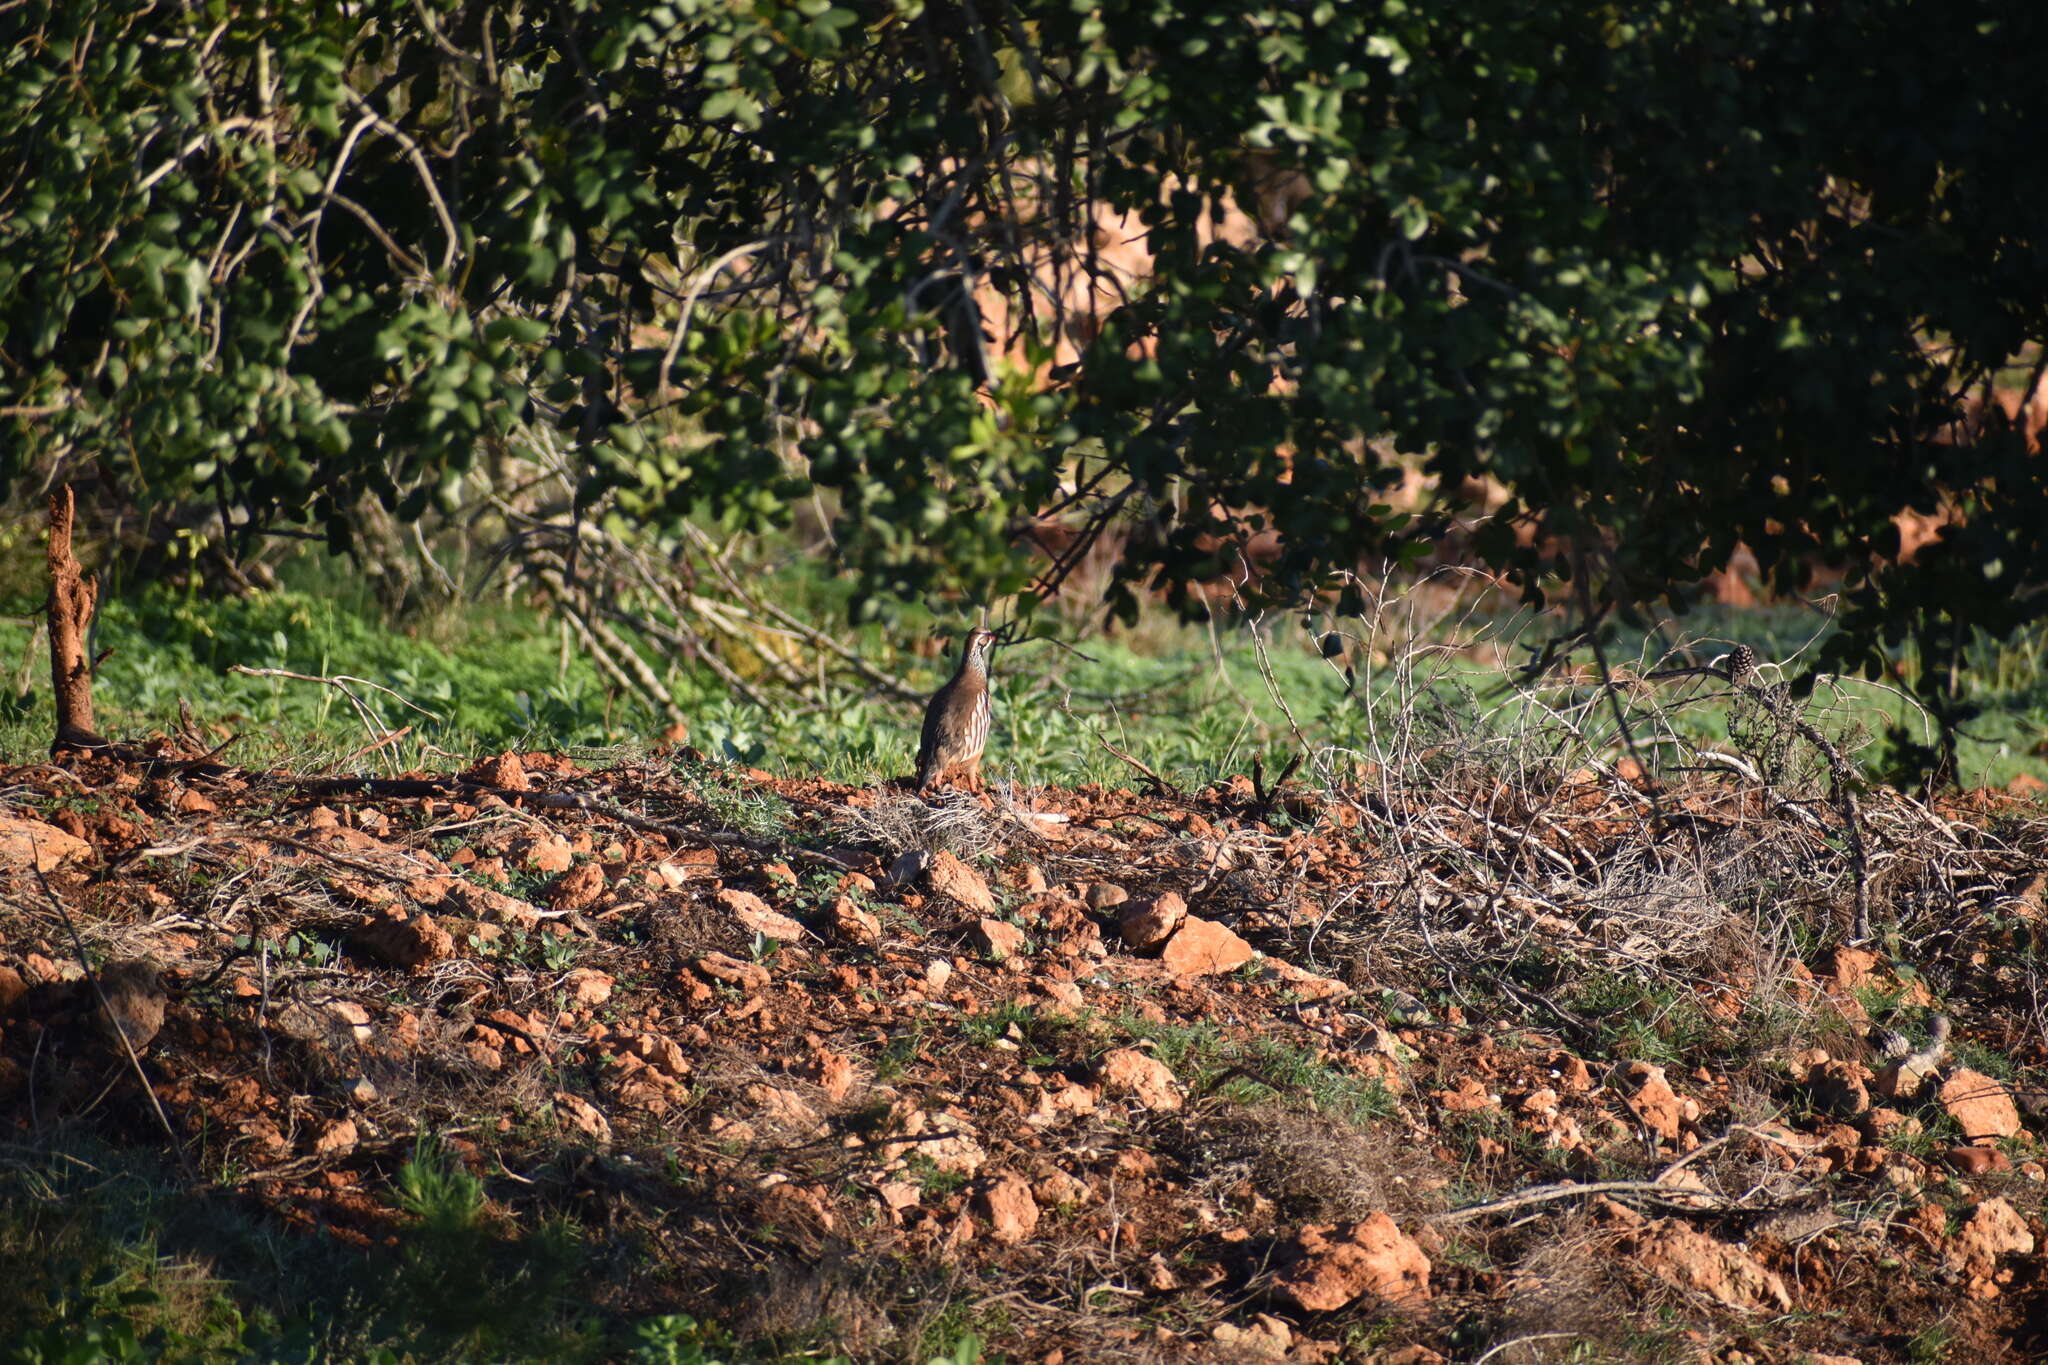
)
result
[(1695, 1201), (380, 736), (107, 1010)]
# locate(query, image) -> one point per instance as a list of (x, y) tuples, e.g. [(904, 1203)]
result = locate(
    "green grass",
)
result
[(1195, 703), (104, 1258)]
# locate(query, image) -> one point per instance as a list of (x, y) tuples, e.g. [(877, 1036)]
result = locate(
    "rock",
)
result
[(1852, 967), (1148, 924), (1471, 1097), (1104, 895), (578, 888), (586, 987), (583, 1116), (999, 939), (1126, 1071), (26, 844), (1303, 985), (1266, 1339), (691, 864), (1837, 1088), (504, 771), (660, 1053), (410, 941), (853, 924), (1994, 1229), (336, 1139), (1983, 1107), (834, 1074), (1650, 1096), (12, 988), (956, 881), (748, 976), (1204, 948), (1009, 1208), (543, 853), (750, 910), (1691, 1260), (361, 1091), (1337, 1266), (135, 1002), (454, 896), (957, 1151), (897, 1195)]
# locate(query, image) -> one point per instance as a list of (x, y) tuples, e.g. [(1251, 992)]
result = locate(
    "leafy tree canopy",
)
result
[(1674, 275)]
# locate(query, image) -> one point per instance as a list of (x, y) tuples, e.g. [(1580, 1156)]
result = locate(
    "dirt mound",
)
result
[(1397, 1073)]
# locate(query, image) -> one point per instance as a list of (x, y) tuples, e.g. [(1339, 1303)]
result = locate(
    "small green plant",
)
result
[(933, 1179), (966, 1351)]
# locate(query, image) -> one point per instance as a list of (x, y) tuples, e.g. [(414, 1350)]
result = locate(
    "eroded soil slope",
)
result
[(1401, 1071)]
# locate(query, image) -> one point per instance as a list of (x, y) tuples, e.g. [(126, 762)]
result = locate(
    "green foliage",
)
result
[(1676, 278)]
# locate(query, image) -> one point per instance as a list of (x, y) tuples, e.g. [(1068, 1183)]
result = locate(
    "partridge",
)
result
[(956, 720)]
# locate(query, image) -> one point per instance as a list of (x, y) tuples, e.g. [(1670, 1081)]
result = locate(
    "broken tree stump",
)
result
[(73, 598)]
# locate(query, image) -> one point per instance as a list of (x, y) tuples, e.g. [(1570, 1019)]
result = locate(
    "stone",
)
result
[(1837, 1088), (750, 910), (1126, 1071), (544, 853), (1147, 924), (1204, 948), (748, 976), (1266, 1339), (1981, 1105), (410, 941), (1300, 983), (834, 1074), (587, 987), (1011, 1212), (26, 844), (1994, 1229), (578, 888), (505, 772), (661, 1054), (135, 1002), (853, 924), (949, 877), (583, 1116), (1693, 1261), (955, 1150), (336, 1139), (1650, 1096), (1338, 1266), (999, 939)]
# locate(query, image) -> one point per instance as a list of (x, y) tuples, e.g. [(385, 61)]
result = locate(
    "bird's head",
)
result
[(979, 645)]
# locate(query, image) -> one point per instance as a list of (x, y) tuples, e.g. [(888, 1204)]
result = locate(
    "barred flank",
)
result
[(956, 722)]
